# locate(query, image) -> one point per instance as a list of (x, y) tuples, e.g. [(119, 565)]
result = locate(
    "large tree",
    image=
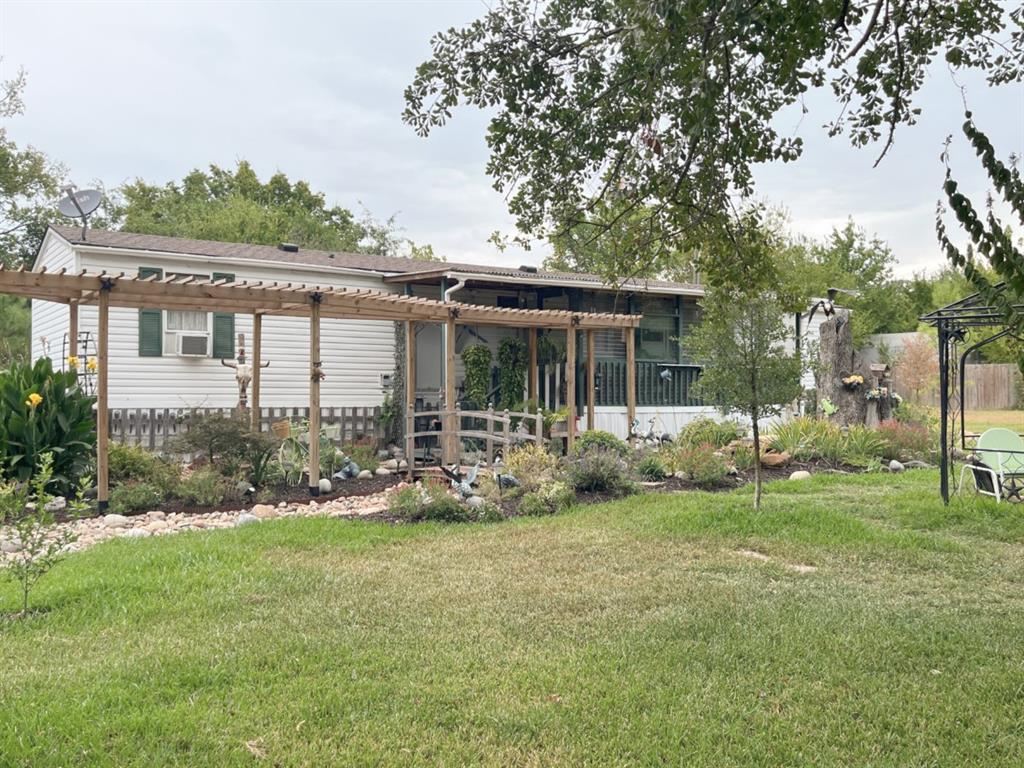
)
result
[(236, 206), (604, 109)]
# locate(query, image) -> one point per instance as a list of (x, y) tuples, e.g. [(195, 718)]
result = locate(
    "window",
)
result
[(184, 322)]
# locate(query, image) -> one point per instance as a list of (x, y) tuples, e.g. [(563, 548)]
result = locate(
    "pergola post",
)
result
[(450, 444), (943, 334), (591, 380), (570, 385), (532, 374), (257, 351), (630, 381), (315, 372), (72, 331), (102, 418), (410, 394)]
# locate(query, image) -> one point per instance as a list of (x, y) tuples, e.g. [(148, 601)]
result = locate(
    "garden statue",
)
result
[(243, 373), (652, 437), (349, 469), (462, 485)]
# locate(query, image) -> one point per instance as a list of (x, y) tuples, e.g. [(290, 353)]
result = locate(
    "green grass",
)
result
[(642, 632), (979, 421)]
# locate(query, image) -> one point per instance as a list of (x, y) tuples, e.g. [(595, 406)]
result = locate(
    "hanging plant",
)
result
[(512, 359), (476, 361)]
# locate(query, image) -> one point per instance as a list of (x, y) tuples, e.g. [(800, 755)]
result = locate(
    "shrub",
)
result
[(600, 470), (919, 415), (806, 438), (511, 371), (705, 431), (44, 412), (701, 464), (429, 502), (205, 488), (905, 441), (547, 500), (650, 467), (599, 439), (861, 446), (476, 361), (212, 435), (532, 465), (132, 463), (743, 458), (132, 497)]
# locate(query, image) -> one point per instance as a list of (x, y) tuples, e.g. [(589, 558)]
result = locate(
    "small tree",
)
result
[(918, 366), (746, 369)]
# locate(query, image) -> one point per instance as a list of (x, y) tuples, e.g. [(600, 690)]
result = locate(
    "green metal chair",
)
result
[(997, 464)]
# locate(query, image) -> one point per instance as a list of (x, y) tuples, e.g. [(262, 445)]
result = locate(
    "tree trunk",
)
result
[(757, 465), (837, 360)]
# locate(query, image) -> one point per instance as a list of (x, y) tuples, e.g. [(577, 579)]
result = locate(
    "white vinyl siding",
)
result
[(354, 352), (50, 319)]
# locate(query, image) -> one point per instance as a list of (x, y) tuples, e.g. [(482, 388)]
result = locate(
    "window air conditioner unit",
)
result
[(192, 345)]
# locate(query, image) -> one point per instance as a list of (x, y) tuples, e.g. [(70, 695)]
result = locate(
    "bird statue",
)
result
[(349, 469), (463, 485), (666, 374)]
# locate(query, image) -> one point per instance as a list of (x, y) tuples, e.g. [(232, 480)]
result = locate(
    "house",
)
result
[(171, 359)]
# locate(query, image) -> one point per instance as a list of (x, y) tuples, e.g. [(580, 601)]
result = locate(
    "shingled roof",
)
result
[(383, 265)]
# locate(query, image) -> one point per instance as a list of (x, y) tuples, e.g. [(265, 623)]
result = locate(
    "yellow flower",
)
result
[(34, 399), (72, 361), (92, 364)]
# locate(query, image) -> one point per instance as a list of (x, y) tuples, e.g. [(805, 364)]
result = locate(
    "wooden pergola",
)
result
[(315, 302)]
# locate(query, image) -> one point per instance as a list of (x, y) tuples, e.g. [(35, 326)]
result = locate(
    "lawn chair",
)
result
[(997, 464)]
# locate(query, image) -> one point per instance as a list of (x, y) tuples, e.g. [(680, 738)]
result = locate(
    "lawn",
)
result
[(853, 622), (979, 421)]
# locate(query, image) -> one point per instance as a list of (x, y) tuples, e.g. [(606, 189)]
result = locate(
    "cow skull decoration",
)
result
[(243, 372)]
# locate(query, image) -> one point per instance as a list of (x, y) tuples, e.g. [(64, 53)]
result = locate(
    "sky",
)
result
[(118, 91)]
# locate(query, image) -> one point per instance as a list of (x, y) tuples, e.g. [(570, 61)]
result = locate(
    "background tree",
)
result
[(746, 368), (603, 109), (917, 367)]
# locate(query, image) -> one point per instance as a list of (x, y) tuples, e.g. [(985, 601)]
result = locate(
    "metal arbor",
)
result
[(963, 327)]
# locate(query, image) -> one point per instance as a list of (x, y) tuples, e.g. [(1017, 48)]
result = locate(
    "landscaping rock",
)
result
[(391, 464), (895, 466), (365, 475), (115, 521), (157, 526), (382, 471), (800, 474), (10, 546), (157, 514), (775, 459), (136, 533), (325, 485), (264, 511), (475, 502), (917, 465), (403, 464), (246, 519), (57, 504)]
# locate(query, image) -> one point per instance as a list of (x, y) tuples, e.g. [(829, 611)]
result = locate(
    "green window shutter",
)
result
[(223, 327), (151, 322)]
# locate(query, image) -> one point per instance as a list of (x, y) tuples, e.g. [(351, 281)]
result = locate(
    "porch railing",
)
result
[(651, 388)]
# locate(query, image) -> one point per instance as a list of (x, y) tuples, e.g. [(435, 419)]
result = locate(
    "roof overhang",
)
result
[(285, 299), (540, 280)]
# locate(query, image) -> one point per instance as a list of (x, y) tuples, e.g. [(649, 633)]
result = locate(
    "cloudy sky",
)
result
[(118, 91)]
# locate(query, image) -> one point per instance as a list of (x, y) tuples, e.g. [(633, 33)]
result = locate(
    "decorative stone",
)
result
[(115, 521), (915, 464), (775, 459), (800, 474), (57, 504), (403, 464), (365, 475), (157, 515), (895, 466), (282, 505), (157, 525), (246, 519), (391, 464), (382, 471), (475, 502), (136, 533), (264, 511), (325, 485), (10, 546)]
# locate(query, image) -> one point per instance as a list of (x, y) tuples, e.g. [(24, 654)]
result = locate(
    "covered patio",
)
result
[(261, 299)]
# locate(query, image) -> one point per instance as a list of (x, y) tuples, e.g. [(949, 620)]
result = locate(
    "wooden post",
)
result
[(314, 396), (102, 413), (257, 351), (570, 385), (410, 393), (72, 334), (591, 380), (630, 380), (449, 444), (532, 375), (490, 432)]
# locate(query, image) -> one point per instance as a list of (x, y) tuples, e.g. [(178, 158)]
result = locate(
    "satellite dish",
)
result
[(79, 204)]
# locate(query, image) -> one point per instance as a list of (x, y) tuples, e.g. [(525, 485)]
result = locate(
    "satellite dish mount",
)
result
[(80, 204)]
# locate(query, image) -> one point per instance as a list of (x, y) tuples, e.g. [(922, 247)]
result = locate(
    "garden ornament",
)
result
[(243, 372), (349, 469), (462, 485)]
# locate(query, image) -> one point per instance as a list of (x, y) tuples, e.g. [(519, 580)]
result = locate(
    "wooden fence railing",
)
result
[(489, 429), (152, 427)]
